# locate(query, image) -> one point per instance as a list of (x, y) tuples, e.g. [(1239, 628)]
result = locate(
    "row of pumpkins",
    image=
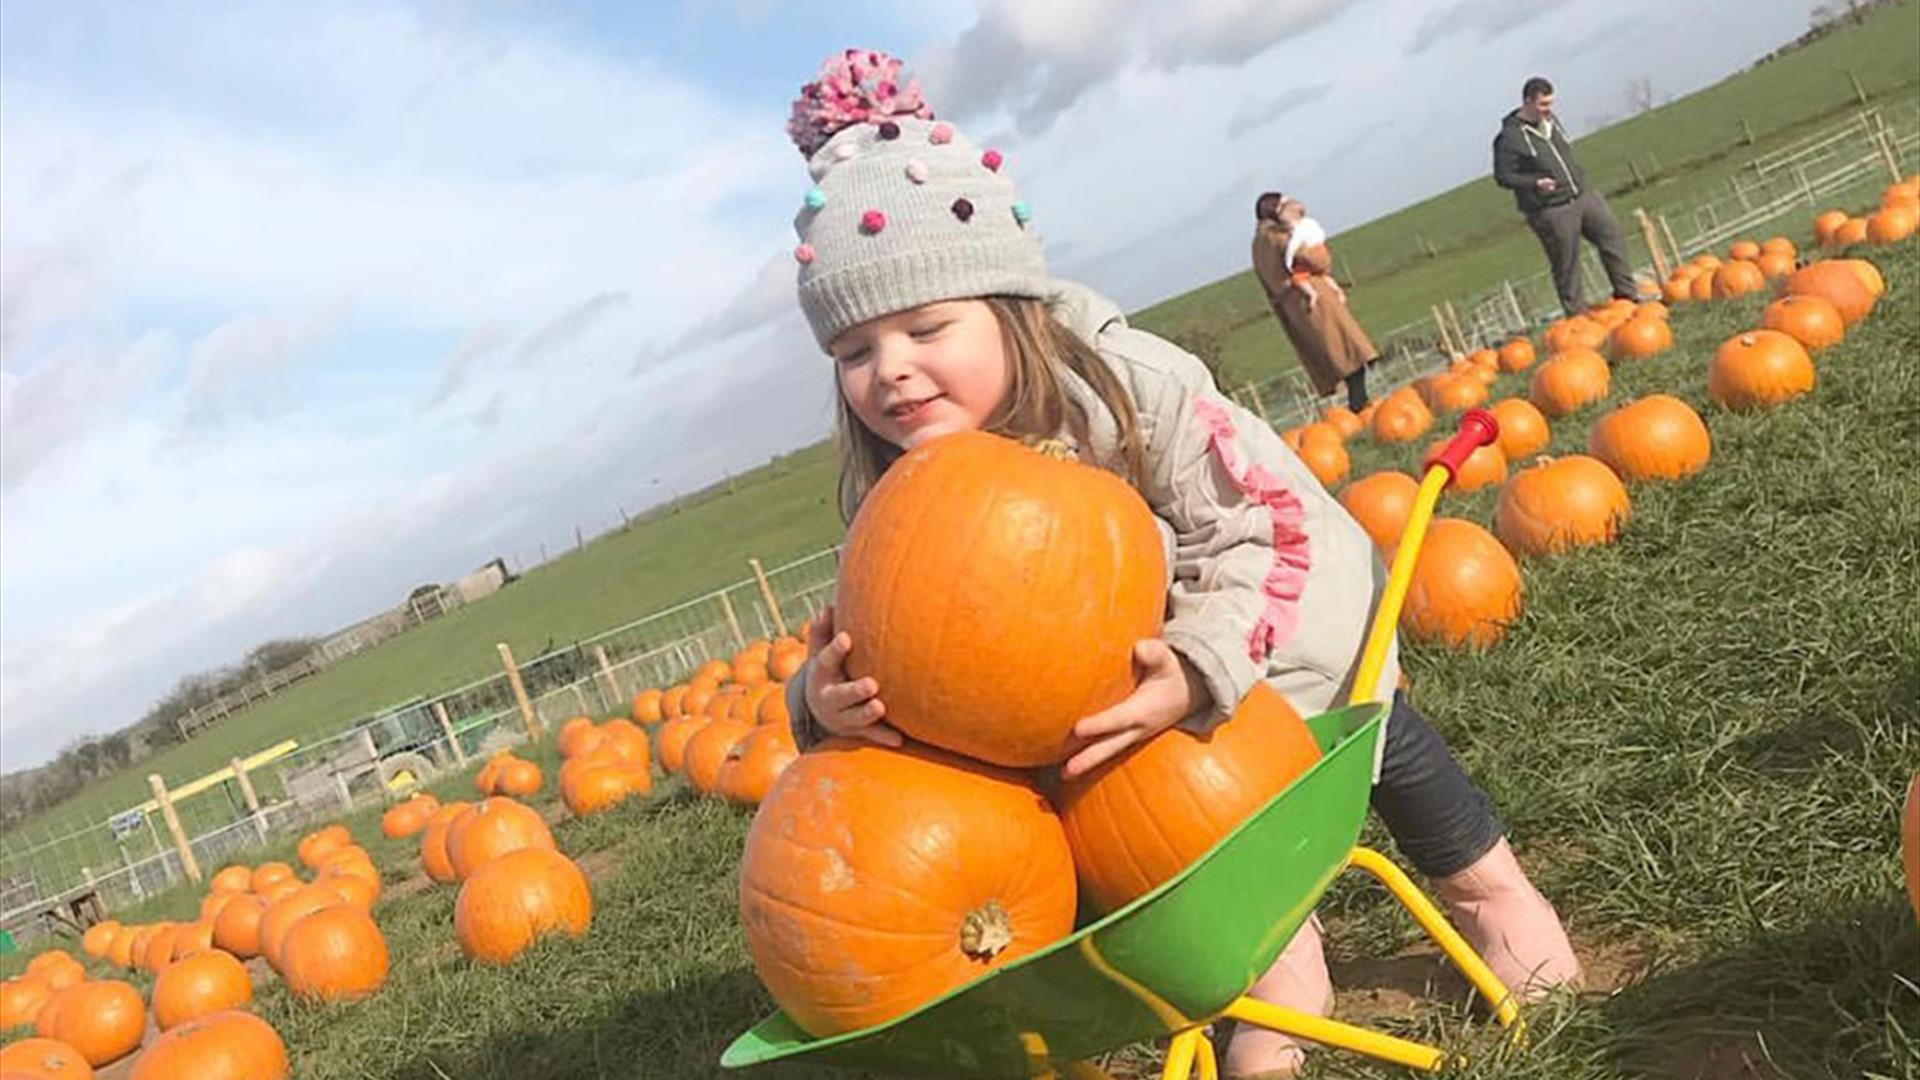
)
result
[(318, 935), (968, 654)]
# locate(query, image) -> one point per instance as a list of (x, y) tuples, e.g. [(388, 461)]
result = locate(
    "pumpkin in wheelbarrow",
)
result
[(995, 593), (1144, 817), (875, 880)]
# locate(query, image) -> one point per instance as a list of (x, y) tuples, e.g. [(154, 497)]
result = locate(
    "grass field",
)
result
[(785, 510), (1698, 737)]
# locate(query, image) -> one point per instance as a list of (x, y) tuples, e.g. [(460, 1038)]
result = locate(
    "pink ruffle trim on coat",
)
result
[(1287, 578)]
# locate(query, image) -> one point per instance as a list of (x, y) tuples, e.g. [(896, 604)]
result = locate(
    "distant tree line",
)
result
[(94, 757)]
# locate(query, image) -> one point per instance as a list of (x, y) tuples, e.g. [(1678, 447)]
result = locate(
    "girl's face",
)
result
[(915, 375)]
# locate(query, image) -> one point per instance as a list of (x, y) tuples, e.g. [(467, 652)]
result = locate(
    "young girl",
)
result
[(922, 280)]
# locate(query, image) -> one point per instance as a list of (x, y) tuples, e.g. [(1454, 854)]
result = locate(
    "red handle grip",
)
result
[(1478, 428)]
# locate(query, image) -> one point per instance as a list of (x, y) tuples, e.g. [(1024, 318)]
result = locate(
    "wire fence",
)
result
[(289, 787)]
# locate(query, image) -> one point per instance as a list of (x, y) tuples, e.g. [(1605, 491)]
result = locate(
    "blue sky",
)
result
[(303, 305)]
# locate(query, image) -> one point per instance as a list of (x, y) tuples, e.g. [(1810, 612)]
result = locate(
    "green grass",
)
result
[(786, 510), (1698, 735)]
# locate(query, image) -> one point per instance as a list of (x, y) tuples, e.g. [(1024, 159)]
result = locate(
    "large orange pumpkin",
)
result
[(1658, 437), (282, 914), (1775, 265), (232, 879), (237, 929), (434, 859), (1326, 459), (1641, 337), (1523, 431), (495, 827), (756, 761), (1836, 282), (517, 898), (1868, 273), (406, 819), (267, 875), (1811, 320), (99, 938), (598, 786), (1485, 467), (21, 1000), (1401, 417), (673, 702), (1561, 503), (1678, 288), (1455, 393), (220, 1046), (1759, 369), (42, 1059), (1465, 589), (1343, 420), (518, 778), (673, 740), (334, 954), (646, 706), (1516, 355), (708, 749), (1568, 381), (315, 845), (875, 880), (1381, 504), (1575, 332), (199, 985), (103, 1020), (1744, 249), (1826, 224), (1145, 816), (1737, 277), (576, 737), (1050, 551)]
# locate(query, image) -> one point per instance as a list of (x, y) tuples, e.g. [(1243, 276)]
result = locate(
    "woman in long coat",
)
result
[(1311, 306)]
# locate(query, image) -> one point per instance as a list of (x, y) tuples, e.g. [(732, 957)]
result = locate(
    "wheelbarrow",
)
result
[(1184, 955)]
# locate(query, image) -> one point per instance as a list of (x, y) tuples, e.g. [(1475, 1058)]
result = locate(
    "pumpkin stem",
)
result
[(1057, 449), (986, 931)]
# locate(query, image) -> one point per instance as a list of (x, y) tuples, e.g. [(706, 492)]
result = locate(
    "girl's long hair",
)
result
[(1036, 406)]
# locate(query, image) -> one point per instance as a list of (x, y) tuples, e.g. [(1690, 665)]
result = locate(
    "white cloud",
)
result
[(1036, 61), (241, 365), (72, 390)]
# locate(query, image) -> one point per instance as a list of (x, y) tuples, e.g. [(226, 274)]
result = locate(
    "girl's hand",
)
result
[(843, 707), (1168, 690)]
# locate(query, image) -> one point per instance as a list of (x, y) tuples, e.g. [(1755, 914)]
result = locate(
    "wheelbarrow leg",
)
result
[(1187, 1047), (1209, 1068), (1442, 932)]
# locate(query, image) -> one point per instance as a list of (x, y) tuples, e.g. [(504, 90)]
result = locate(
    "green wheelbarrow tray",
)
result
[(1171, 959)]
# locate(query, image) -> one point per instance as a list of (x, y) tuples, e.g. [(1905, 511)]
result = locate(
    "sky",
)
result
[(303, 305)]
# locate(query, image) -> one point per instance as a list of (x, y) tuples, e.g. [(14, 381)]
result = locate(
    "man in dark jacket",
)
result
[(1533, 159)]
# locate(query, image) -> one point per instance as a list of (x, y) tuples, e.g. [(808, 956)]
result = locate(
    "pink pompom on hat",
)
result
[(904, 210)]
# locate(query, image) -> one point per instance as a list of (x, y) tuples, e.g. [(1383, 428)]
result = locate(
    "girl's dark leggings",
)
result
[(1439, 820)]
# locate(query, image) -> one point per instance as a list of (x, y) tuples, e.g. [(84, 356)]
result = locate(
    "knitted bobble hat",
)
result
[(904, 210)]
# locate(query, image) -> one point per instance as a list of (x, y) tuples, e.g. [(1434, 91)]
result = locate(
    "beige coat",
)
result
[(1270, 577), (1328, 340)]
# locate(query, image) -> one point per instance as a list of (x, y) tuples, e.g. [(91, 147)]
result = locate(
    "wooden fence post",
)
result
[(187, 861), (766, 594), (1459, 334), (1672, 244), (527, 716), (1885, 145), (446, 729), (1513, 301), (733, 621), (1647, 233), (252, 799), (606, 672), (1859, 92), (1746, 132)]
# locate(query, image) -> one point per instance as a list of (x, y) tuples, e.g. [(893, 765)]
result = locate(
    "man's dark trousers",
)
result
[(1560, 229)]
